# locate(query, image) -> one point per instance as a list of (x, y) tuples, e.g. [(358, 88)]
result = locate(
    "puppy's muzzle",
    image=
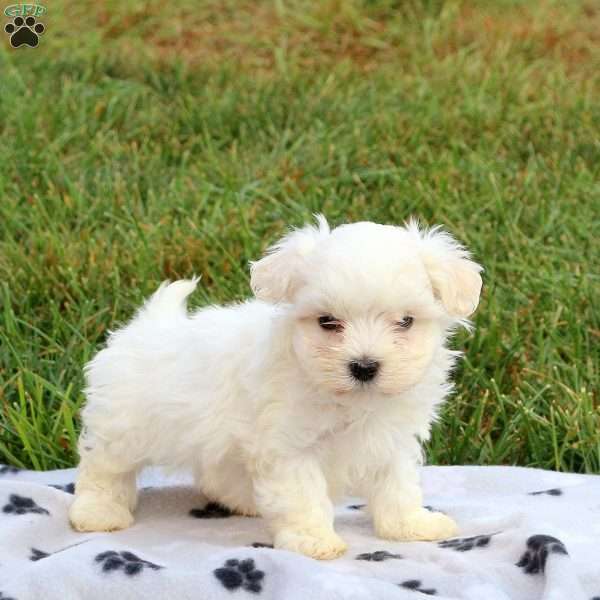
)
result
[(363, 370)]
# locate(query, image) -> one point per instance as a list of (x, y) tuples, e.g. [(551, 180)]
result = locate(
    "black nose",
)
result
[(364, 370)]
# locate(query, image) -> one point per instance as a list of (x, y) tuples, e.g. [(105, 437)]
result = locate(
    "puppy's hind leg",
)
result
[(229, 485), (105, 493)]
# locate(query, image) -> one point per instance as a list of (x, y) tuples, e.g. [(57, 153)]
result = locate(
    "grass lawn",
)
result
[(143, 141)]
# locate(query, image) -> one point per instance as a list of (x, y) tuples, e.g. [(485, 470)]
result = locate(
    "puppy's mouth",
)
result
[(379, 386), (362, 377)]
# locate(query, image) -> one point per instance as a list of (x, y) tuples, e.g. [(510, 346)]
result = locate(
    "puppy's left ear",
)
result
[(278, 275), (455, 278)]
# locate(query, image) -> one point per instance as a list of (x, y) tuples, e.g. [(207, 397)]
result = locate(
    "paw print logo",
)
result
[(19, 505), (378, 556), (124, 561), (213, 510), (416, 586), (539, 549), (550, 492), (8, 470), (69, 488), (37, 554), (468, 543), (240, 573), (24, 32)]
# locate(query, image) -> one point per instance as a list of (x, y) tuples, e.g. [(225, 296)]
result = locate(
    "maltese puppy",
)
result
[(323, 384)]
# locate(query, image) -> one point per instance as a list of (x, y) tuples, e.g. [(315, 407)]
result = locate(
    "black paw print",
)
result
[(377, 556), (213, 510), (24, 32), (465, 544), (124, 561), (415, 585), (8, 470), (19, 505), (38, 554), (67, 487), (539, 547), (550, 492), (240, 573)]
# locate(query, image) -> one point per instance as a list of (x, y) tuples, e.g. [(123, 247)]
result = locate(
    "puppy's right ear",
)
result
[(277, 276)]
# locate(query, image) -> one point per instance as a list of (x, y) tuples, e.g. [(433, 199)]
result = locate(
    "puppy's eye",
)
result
[(406, 322), (330, 323)]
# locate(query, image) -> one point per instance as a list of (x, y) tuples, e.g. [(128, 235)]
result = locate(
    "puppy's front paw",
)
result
[(94, 512), (419, 525), (316, 543)]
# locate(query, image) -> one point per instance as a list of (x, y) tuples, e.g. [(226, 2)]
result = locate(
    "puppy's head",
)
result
[(371, 303)]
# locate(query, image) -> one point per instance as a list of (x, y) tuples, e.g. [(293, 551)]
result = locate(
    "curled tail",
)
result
[(170, 299)]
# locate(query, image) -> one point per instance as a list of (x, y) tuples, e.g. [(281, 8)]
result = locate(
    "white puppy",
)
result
[(324, 384)]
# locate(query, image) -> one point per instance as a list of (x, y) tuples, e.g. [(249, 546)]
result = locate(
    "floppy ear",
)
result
[(276, 276), (454, 276)]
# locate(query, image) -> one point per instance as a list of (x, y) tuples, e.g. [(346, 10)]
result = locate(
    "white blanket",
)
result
[(525, 535)]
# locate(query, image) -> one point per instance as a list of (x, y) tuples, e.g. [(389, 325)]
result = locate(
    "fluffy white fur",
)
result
[(259, 401)]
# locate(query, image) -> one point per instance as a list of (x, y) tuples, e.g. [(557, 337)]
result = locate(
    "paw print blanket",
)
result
[(525, 534)]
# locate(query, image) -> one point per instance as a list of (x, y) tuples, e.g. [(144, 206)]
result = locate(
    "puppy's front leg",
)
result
[(396, 503), (291, 494)]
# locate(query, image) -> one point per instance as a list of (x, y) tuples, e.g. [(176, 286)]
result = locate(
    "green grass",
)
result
[(150, 143)]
